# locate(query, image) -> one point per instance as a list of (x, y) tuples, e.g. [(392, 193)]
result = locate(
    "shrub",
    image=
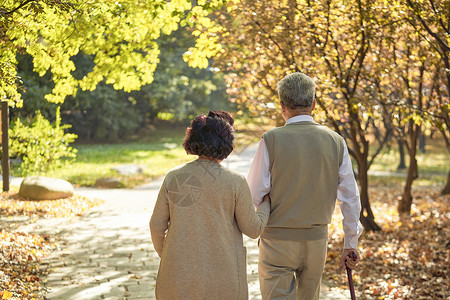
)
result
[(40, 145)]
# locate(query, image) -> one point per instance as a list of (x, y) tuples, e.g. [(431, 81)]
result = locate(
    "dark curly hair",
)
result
[(211, 135), (222, 115)]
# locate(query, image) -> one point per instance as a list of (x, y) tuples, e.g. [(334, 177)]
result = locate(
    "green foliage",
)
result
[(178, 89), (101, 115), (178, 92), (35, 88), (120, 36), (156, 151), (40, 145)]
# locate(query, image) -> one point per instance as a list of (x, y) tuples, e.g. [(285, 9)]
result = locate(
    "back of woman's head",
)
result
[(222, 115), (211, 135)]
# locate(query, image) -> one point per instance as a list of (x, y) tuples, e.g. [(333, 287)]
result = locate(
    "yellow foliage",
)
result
[(121, 36), (6, 295)]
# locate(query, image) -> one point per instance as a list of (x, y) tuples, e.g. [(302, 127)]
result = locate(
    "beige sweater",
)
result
[(196, 227), (304, 161)]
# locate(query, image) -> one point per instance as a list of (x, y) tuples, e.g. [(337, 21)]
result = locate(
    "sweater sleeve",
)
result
[(250, 222), (159, 222)]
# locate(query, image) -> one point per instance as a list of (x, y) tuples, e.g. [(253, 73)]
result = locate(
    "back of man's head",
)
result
[(296, 90)]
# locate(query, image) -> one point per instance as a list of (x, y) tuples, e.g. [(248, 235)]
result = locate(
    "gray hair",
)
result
[(296, 90)]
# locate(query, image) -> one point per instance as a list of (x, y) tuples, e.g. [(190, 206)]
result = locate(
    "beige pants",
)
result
[(291, 269)]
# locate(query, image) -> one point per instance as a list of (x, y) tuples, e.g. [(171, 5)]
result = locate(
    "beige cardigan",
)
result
[(196, 227)]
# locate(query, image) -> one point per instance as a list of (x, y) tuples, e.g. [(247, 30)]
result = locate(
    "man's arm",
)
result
[(350, 204), (259, 175)]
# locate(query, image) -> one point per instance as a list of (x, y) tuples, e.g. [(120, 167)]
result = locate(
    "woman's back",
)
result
[(199, 217), (203, 252)]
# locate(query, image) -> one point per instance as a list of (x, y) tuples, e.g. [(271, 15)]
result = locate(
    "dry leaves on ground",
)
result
[(409, 259), (21, 253), (12, 204), (20, 272)]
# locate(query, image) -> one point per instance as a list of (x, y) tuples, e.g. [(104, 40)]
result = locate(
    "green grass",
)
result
[(432, 161), (156, 153), (159, 150), (433, 165)]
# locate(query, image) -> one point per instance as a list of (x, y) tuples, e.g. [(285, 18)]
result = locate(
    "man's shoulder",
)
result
[(326, 128), (329, 132), (275, 129), (315, 128), (272, 132), (311, 126)]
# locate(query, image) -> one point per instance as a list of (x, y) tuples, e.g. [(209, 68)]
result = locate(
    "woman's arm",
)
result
[(159, 222), (251, 222)]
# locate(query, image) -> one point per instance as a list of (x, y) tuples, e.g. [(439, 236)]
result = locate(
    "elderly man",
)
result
[(304, 167)]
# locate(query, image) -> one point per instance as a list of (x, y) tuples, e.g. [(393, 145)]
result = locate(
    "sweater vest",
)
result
[(304, 161)]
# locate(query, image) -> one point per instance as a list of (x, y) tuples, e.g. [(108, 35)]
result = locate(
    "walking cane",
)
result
[(352, 255)]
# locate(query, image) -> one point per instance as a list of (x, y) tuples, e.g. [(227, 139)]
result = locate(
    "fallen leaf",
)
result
[(409, 258)]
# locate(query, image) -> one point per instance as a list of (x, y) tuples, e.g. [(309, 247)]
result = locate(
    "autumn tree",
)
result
[(329, 40), (120, 35), (410, 89), (345, 48), (432, 20)]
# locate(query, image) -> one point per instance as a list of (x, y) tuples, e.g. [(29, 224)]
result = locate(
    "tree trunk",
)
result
[(367, 218), (401, 151), (404, 206), (422, 142), (446, 189)]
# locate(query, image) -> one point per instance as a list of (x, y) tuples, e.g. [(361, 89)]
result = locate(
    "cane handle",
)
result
[(353, 256)]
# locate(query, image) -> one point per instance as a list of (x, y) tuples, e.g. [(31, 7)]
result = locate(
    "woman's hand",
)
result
[(266, 198)]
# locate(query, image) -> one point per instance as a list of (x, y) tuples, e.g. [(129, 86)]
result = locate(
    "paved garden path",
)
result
[(107, 253)]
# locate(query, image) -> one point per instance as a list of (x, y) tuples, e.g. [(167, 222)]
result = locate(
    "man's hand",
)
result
[(346, 260)]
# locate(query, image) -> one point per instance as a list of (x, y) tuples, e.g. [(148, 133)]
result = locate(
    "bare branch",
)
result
[(441, 42), (386, 137), (274, 41), (19, 7), (439, 16)]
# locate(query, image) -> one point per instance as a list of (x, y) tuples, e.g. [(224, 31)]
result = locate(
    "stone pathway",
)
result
[(108, 254)]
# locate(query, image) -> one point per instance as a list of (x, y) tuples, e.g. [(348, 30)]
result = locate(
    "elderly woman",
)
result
[(199, 217)]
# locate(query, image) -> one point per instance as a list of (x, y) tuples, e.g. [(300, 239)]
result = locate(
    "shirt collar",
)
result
[(301, 118)]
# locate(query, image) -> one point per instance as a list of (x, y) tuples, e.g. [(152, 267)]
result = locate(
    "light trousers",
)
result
[(291, 269)]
